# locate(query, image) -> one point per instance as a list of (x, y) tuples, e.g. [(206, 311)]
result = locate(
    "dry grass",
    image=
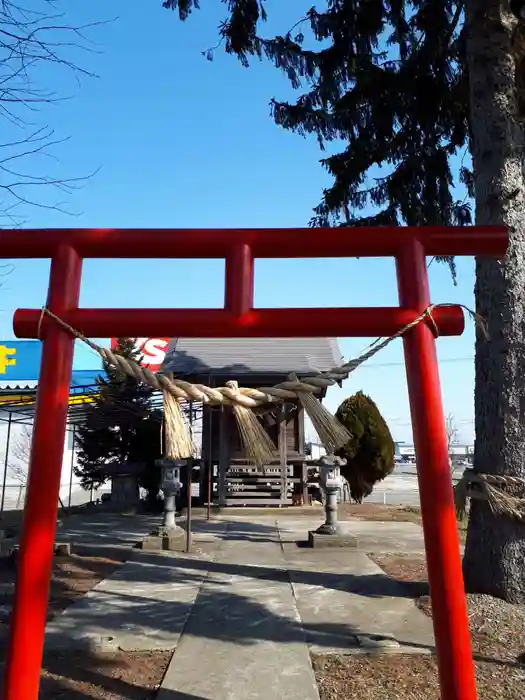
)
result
[(406, 514), (497, 638), (364, 511), (406, 678), (115, 676), (118, 676), (377, 511)]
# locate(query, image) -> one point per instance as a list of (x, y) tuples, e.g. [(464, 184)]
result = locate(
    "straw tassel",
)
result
[(257, 444), (178, 442), (332, 434)]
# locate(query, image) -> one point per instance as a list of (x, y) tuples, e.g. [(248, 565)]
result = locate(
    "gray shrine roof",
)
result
[(251, 356)]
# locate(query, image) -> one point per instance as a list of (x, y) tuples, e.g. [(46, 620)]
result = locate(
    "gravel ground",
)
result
[(497, 638), (116, 676)]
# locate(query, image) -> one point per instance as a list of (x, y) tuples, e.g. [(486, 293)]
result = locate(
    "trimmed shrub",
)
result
[(370, 452)]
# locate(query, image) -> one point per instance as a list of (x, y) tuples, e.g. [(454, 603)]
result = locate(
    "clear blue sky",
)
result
[(182, 142)]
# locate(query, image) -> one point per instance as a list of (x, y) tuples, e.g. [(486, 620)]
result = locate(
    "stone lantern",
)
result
[(331, 482), (329, 533), (171, 485), (168, 535)]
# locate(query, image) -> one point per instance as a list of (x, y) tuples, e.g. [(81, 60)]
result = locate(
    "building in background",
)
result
[(254, 362), (19, 370), (314, 450)]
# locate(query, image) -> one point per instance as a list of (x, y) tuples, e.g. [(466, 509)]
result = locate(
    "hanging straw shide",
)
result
[(331, 432), (178, 442), (257, 444)]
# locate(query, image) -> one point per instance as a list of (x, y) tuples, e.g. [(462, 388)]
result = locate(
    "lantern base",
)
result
[(168, 531), (170, 539), (324, 540)]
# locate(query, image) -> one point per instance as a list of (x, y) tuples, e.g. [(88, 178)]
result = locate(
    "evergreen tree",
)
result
[(404, 86), (120, 424), (370, 452)]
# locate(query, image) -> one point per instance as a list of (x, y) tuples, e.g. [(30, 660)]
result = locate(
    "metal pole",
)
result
[(72, 465), (188, 507), (28, 622), (451, 629), (210, 461), (189, 467), (6, 460), (208, 506)]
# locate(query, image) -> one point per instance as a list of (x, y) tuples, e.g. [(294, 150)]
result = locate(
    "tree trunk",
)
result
[(495, 549)]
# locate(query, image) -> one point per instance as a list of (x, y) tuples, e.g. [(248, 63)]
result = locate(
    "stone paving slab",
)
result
[(261, 611), (203, 530), (246, 626), (239, 529), (245, 609), (143, 606), (106, 529), (342, 604), (372, 536)]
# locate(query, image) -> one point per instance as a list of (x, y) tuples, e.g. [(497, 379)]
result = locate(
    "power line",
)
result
[(400, 424), (447, 360)]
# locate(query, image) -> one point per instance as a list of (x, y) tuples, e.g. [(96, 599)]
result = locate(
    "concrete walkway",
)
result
[(246, 608)]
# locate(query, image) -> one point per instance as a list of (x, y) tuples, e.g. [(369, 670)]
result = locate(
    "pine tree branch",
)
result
[(389, 81)]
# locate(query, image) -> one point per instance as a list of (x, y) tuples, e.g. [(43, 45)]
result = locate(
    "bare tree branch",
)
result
[(452, 431), (452, 438), (35, 35), (18, 459)]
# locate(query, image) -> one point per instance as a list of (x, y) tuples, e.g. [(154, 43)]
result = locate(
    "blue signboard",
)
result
[(19, 360)]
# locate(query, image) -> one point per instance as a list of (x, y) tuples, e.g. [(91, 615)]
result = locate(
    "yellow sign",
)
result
[(15, 400), (7, 358)]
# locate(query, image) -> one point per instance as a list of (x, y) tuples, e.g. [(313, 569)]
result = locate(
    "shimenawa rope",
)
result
[(244, 396), (258, 445), (489, 487)]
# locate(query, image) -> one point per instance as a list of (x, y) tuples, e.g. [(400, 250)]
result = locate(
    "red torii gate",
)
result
[(239, 247)]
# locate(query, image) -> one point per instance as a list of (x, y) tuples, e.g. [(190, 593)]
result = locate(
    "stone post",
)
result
[(169, 508)]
